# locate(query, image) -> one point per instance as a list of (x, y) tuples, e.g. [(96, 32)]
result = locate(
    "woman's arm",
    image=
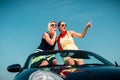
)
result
[(52, 40), (80, 35)]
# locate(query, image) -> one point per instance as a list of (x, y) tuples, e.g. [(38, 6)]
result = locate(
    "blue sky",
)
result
[(22, 23)]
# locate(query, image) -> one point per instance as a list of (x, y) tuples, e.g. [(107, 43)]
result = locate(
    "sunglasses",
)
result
[(53, 25), (64, 25)]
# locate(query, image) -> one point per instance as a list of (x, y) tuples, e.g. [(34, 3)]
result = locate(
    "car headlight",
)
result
[(44, 75)]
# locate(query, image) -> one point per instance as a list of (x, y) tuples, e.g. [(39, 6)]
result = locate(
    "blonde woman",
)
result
[(47, 43)]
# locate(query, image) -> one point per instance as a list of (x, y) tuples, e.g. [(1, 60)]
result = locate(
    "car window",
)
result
[(37, 58), (92, 60), (88, 57), (59, 59)]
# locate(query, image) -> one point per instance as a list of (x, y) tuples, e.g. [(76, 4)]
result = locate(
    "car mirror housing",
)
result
[(14, 68)]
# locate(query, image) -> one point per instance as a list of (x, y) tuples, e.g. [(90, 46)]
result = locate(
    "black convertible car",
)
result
[(95, 67)]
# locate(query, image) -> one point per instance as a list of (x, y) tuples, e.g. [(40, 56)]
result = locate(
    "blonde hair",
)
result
[(49, 25)]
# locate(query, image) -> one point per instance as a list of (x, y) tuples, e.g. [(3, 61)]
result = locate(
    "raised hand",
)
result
[(89, 24)]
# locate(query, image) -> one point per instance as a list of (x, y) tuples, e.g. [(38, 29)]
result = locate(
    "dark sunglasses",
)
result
[(53, 25), (64, 25)]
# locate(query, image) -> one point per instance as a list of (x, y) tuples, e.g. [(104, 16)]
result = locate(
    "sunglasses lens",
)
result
[(64, 25), (53, 24)]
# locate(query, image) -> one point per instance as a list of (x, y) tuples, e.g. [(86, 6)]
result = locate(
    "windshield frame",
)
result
[(102, 59)]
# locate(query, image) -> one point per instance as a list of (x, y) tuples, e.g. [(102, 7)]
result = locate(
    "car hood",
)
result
[(37, 74), (24, 74), (95, 73)]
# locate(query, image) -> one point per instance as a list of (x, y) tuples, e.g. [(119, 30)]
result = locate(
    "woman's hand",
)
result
[(89, 25), (53, 32)]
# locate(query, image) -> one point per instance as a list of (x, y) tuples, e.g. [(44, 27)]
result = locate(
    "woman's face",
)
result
[(53, 26), (62, 27)]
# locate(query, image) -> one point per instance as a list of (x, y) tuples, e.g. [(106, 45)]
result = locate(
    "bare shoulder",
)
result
[(45, 34), (71, 32), (75, 34)]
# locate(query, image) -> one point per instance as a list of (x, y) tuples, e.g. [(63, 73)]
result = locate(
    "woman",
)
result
[(47, 43), (66, 42)]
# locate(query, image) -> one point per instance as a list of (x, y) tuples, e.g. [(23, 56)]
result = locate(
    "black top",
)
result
[(44, 45)]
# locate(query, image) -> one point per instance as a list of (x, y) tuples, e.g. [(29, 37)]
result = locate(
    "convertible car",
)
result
[(94, 67)]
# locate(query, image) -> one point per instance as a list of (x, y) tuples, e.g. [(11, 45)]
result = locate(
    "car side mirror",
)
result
[(14, 68)]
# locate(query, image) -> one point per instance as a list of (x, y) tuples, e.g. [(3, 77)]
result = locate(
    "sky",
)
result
[(22, 23)]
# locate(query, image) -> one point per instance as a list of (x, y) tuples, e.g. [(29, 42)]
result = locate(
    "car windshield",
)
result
[(88, 58)]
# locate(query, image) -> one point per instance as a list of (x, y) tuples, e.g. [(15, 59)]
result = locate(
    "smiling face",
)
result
[(62, 26)]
